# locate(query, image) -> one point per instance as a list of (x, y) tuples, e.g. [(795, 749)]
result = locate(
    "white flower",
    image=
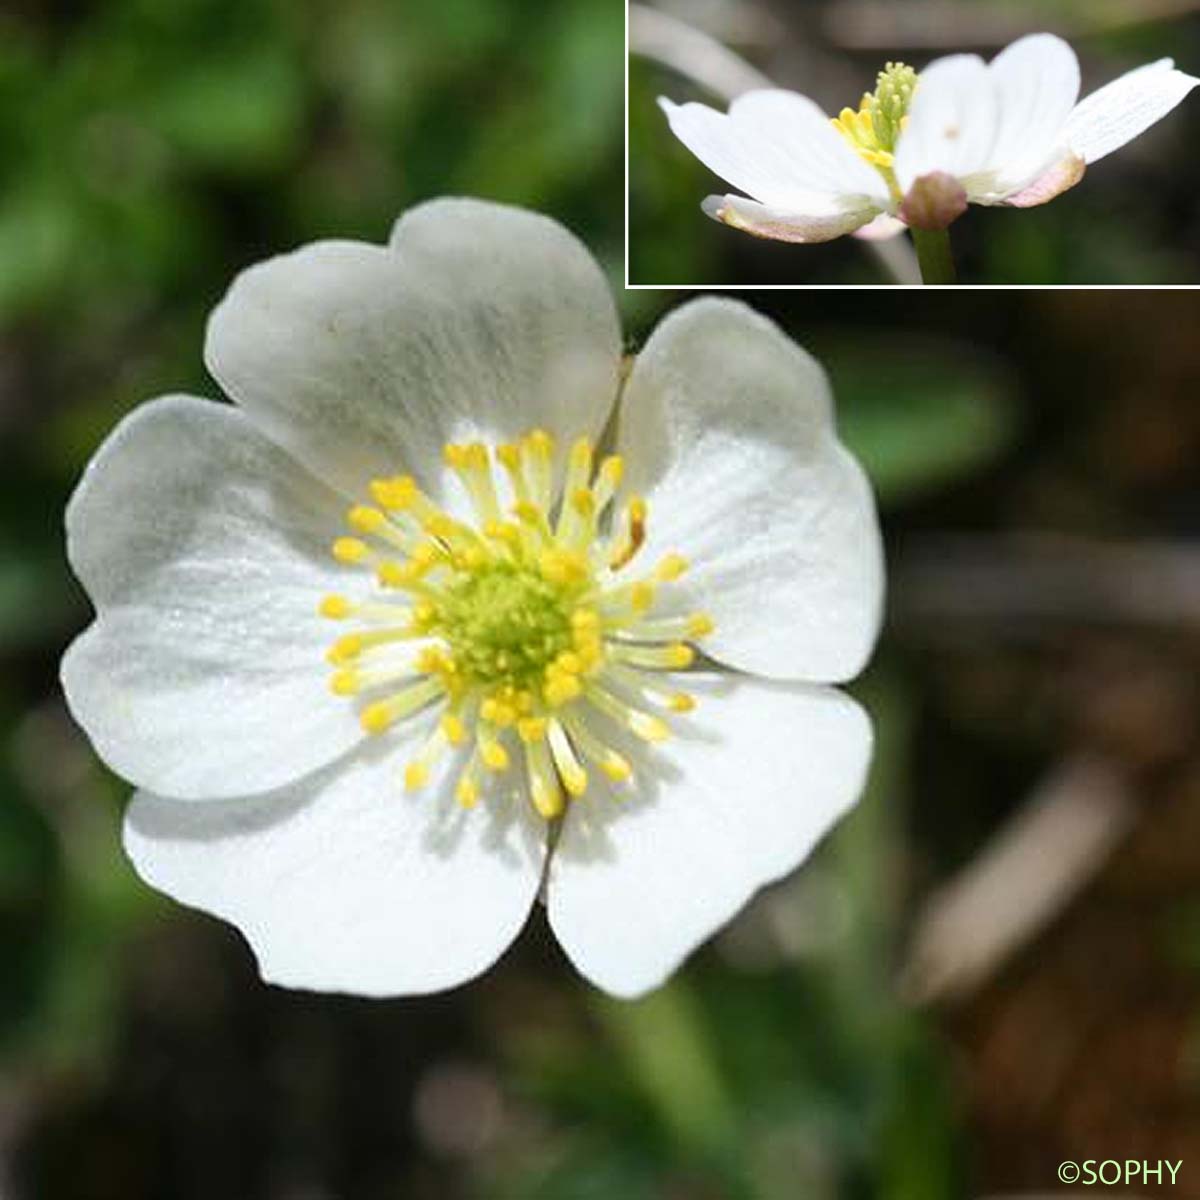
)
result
[(921, 146), (372, 760)]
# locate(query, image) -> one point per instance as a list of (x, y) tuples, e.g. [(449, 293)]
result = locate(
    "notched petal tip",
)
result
[(934, 202), (1062, 176), (773, 225)]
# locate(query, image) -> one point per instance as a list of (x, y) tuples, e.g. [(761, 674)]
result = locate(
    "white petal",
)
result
[(205, 551), (780, 148), (741, 799), (1037, 84), (727, 428), (1119, 111), (953, 121), (478, 321), (781, 225), (882, 229), (344, 882)]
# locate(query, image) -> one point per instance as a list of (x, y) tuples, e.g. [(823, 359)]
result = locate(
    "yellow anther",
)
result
[(454, 456), (641, 596), (528, 512), (700, 625), (439, 525), (502, 531), (393, 574), (566, 762), (583, 502), (454, 729), (498, 712), (396, 493), (531, 729), (494, 755), (430, 661), (509, 456), (350, 550), (466, 791), (377, 717), (546, 798), (681, 702), (611, 471), (345, 683), (589, 648), (416, 776), (396, 574), (562, 566), (539, 442), (423, 614), (336, 608), (366, 519), (585, 619), (581, 455), (679, 655), (634, 536), (649, 728), (574, 779), (560, 689), (670, 568), (345, 648), (570, 662), (615, 766)]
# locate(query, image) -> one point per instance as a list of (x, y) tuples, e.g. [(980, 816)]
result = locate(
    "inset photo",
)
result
[(861, 143)]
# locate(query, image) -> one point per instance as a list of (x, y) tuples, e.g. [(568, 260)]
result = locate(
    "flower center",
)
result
[(522, 627), (504, 623), (882, 115)]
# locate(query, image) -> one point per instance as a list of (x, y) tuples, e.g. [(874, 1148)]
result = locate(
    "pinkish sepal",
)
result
[(778, 225), (934, 201), (1065, 173)]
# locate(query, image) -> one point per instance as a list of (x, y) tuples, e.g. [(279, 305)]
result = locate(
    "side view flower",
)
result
[(391, 646), (921, 147)]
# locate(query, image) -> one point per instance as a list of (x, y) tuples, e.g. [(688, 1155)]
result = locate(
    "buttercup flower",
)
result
[(921, 146), (389, 646)]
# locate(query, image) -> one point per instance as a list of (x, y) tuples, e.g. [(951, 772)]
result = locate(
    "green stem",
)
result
[(667, 1049), (934, 255)]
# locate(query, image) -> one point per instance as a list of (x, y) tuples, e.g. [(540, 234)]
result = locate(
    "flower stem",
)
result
[(934, 255)]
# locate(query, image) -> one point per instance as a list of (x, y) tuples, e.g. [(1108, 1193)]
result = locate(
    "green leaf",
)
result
[(919, 415)]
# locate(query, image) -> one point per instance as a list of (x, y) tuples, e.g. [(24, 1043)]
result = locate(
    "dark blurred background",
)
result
[(994, 965), (1134, 218)]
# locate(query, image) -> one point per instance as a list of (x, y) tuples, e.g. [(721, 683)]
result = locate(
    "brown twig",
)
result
[(1022, 879)]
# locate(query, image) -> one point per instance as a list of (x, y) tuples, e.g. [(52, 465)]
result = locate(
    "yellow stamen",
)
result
[(670, 568), (336, 608), (570, 770), (544, 786), (350, 550), (520, 622)]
